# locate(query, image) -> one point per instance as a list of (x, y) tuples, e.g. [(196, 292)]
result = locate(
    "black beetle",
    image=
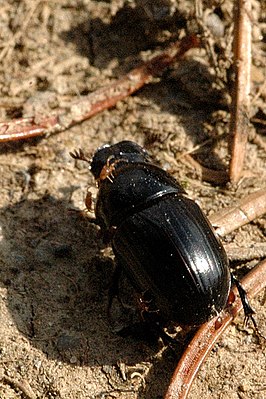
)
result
[(160, 237)]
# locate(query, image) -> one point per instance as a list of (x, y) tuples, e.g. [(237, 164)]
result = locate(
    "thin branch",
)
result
[(247, 209), (241, 91), (206, 174), (99, 100), (255, 251)]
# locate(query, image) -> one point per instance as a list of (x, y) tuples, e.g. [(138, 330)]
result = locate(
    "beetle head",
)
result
[(125, 150)]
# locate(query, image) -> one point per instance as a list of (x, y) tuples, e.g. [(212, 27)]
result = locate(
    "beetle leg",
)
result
[(249, 312), (109, 178), (107, 235), (148, 310), (114, 288), (84, 213), (89, 202), (150, 325)]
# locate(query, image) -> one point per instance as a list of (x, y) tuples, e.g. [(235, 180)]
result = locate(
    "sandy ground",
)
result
[(55, 337)]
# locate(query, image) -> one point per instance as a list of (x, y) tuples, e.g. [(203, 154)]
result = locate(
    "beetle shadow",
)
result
[(172, 98), (186, 89), (57, 282), (122, 39)]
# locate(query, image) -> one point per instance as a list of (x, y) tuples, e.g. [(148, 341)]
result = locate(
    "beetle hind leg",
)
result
[(248, 310), (113, 292)]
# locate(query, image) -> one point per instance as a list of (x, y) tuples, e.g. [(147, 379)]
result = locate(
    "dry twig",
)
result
[(241, 91), (206, 174), (255, 251), (248, 209), (100, 100)]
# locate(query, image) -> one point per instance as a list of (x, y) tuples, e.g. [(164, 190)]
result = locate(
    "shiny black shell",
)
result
[(160, 237)]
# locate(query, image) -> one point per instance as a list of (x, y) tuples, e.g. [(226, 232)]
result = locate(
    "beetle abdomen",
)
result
[(170, 249)]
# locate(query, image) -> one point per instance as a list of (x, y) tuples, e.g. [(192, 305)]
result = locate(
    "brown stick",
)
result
[(254, 251), (206, 174), (100, 100), (241, 91), (207, 335), (248, 209)]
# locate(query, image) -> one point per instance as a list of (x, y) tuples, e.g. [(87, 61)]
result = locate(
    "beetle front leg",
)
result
[(79, 155)]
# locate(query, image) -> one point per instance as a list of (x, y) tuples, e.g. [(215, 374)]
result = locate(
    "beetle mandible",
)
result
[(160, 237)]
